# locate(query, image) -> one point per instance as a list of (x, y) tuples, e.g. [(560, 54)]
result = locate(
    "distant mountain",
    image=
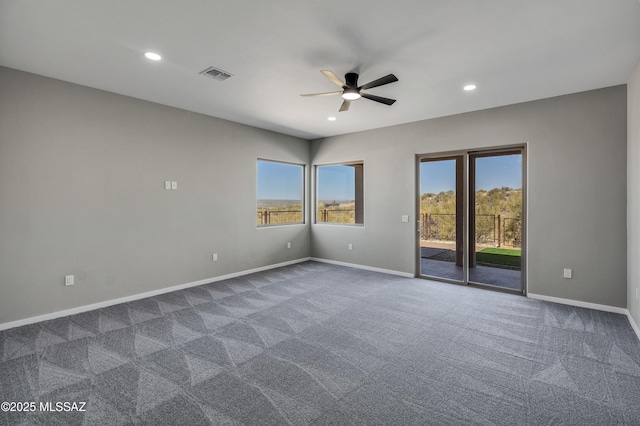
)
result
[(270, 204)]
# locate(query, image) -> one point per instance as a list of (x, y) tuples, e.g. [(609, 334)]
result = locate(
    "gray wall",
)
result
[(577, 189), (633, 196), (82, 192)]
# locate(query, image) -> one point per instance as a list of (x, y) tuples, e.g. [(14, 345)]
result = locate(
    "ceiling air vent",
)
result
[(216, 73)]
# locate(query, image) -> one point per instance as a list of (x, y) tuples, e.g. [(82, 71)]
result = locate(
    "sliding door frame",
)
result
[(468, 181), (461, 173)]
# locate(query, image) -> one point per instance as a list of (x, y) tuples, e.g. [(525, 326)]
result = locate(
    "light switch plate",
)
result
[(167, 184), (174, 185), (568, 273), (405, 218)]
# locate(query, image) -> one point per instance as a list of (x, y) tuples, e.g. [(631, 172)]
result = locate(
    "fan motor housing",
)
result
[(351, 80)]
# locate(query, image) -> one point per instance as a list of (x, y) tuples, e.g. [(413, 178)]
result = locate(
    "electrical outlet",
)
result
[(568, 273), (350, 246), (69, 280), (214, 258), (174, 185), (289, 245), (405, 218), (167, 184)]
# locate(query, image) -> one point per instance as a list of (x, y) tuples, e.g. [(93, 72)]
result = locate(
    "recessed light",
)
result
[(331, 119), (470, 87), (153, 56)]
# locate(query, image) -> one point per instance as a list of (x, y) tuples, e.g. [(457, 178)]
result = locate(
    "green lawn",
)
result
[(502, 251), (499, 256)]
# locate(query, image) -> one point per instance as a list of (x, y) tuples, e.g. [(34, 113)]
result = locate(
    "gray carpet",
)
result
[(321, 344)]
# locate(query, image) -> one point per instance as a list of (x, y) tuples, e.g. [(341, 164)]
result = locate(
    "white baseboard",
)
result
[(578, 303), (93, 306), (633, 324), (368, 268), (85, 308), (597, 307)]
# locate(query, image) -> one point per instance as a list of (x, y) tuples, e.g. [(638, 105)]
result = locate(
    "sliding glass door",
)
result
[(442, 217), (471, 223), (495, 220)]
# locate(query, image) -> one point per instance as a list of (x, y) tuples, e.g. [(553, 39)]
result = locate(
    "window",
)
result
[(340, 194), (280, 192)]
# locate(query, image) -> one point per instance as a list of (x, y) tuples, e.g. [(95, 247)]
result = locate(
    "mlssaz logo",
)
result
[(62, 406)]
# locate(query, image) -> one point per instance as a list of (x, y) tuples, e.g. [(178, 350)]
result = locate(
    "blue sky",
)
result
[(278, 181), (336, 183), (491, 172)]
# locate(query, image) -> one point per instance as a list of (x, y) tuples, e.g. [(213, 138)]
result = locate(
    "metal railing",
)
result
[(278, 217), (336, 216), (438, 226), (490, 229)]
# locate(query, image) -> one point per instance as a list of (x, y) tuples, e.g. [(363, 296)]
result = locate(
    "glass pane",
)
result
[(280, 189), (496, 247), (440, 224), (340, 194)]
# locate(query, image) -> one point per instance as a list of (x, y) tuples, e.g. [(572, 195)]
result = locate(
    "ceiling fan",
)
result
[(350, 90)]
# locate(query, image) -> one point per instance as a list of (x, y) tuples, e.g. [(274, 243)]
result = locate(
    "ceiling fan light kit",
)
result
[(350, 94), (351, 91)]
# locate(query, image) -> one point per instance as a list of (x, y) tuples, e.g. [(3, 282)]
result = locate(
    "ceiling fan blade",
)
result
[(379, 82), (331, 76), (345, 106), (323, 94), (380, 99)]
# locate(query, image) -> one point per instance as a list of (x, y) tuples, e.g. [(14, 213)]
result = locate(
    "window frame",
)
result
[(359, 189), (303, 168)]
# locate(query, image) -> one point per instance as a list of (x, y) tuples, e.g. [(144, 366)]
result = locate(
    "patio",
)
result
[(438, 260)]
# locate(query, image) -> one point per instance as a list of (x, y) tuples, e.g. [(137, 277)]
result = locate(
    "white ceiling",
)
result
[(514, 50)]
